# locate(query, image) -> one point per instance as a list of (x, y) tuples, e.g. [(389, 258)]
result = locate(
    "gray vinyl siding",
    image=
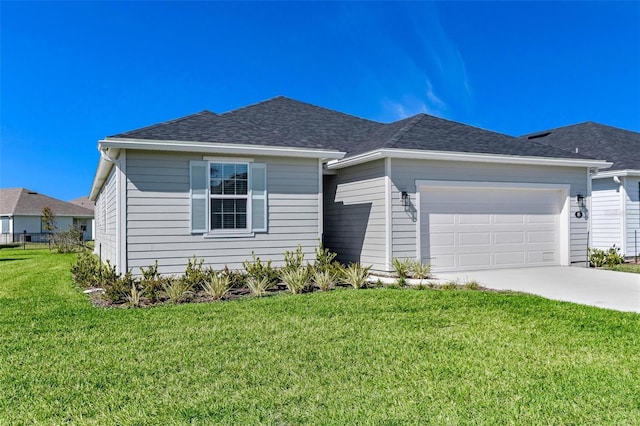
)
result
[(404, 174), (158, 214), (354, 214), (632, 186), (606, 214), (105, 215)]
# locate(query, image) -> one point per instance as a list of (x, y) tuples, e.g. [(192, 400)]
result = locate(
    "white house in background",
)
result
[(21, 215), (270, 176), (615, 203), (87, 204)]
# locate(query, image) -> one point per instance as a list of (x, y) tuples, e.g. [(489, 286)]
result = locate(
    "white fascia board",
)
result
[(620, 173), (417, 154), (219, 148)]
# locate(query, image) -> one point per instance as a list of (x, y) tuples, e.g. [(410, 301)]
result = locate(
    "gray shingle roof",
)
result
[(286, 122), (22, 201), (621, 147)]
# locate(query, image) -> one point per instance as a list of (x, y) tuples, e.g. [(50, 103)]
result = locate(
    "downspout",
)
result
[(104, 154)]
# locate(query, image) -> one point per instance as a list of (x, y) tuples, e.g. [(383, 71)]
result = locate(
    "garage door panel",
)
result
[(509, 237), (510, 258), (480, 228)]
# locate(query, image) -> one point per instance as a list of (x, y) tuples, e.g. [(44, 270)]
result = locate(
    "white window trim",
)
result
[(243, 232)]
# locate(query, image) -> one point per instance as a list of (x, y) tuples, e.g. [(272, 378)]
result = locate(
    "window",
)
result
[(5, 225), (229, 194), (228, 198)]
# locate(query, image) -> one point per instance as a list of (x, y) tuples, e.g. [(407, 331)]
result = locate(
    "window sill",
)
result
[(223, 234)]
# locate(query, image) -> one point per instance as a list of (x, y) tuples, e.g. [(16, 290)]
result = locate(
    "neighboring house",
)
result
[(615, 203), (269, 176), (21, 215), (87, 204)]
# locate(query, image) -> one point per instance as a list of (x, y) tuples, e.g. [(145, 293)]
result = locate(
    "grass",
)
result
[(378, 356), (625, 267)]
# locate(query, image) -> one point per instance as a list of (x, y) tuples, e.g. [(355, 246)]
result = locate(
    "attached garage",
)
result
[(469, 225)]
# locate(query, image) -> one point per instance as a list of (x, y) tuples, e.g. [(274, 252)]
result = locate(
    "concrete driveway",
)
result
[(595, 287)]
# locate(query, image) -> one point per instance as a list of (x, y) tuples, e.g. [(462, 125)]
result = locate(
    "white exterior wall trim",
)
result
[(612, 173), (589, 210), (218, 148), (416, 154), (121, 213), (623, 210), (320, 201), (388, 213), (565, 213)]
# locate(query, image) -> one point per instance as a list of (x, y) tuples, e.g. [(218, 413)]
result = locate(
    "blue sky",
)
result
[(73, 73)]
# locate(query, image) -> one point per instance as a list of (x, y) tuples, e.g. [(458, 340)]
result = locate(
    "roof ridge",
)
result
[(404, 130), (303, 103)]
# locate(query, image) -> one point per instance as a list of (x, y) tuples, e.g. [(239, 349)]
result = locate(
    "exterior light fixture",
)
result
[(581, 202), (582, 205), (406, 201)]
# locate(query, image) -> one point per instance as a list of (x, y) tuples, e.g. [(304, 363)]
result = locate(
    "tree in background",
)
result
[(48, 220)]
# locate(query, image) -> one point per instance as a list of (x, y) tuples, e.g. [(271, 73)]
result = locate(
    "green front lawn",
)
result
[(379, 356), (626, 267)]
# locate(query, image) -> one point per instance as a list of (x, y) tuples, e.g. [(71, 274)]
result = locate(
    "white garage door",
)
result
[(480, 228)]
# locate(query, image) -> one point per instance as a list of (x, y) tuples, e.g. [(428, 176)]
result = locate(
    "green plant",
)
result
[(296, 280), (152, 282), (294, 260), (86, 269), (69, 241), (402, 267), (420, 270), (451, 285), (356, 275), (324, 259), (259, 270), (194, 275), (471, 285), (134, 298), (613, 257), (216, 284), (237, 279), (118, 287), (258, 286), (596, 257), (325, 280), (177, 289)]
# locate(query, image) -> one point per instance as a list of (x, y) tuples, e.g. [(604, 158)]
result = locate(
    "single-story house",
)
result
[(21, 215), (615, 201), (280, 173)]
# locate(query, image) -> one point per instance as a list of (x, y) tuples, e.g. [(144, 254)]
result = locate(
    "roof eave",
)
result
[(219, 148), (464, 156), (619, 173)]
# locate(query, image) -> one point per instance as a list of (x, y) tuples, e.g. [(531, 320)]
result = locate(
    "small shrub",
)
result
[(118, 288), (325, 280), (596, 257), (294, 260), (259, 270), (178, 290), (325, 259), (451, 285), (258, 286), (420, 270), (86, 269), (107, 275), (296, 280), (194, 275), (613, 257), (356, 275), (401, 282), (216, 284), (152, 283), (135, 297), (471, 285), (69, 241), (237, 279), (402, 267)]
